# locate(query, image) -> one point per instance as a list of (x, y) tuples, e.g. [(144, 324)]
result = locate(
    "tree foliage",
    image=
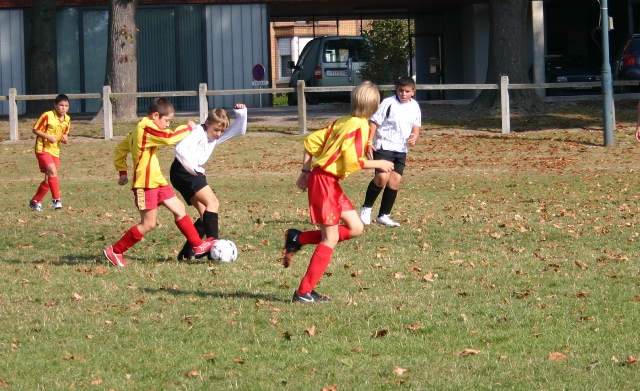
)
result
[(388, 51), (41, 59)]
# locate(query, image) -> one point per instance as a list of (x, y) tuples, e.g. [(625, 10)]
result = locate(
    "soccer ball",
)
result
[(224, 251)]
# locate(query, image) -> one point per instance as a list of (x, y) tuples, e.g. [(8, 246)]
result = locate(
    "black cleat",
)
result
[(291, 246), (311, 297)]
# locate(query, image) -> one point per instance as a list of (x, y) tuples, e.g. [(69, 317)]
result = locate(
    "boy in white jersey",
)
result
[(187, 173), (395, 126)]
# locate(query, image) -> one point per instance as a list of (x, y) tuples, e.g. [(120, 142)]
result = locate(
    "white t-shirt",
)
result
[(395, 121), (195, 149)]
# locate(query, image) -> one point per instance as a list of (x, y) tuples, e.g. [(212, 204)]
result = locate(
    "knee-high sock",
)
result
[(43, 189), (388, 199), (189, 231), (372, 194), (55, 187), (130, 238), (210, 224), (318, 264), (199, 226), (315, 237)]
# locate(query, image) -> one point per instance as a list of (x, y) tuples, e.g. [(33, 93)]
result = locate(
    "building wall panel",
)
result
[(12, 56)]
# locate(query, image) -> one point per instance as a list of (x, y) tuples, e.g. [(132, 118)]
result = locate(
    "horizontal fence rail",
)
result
[(107, 96)]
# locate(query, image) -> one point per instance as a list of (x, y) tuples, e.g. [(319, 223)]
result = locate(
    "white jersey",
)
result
[(195, 149), (394, 122)]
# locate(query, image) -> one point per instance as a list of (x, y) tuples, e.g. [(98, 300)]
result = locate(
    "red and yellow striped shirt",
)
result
[(339, 149), (50, 123), (143, 145)]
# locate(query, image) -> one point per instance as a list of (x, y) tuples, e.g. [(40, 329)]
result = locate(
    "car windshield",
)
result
[(634, 47), (339, 50)]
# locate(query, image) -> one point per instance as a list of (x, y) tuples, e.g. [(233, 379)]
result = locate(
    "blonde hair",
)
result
[(365, 100), (218, 116)]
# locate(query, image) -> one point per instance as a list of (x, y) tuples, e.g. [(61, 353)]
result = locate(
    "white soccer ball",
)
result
[(224, 251)]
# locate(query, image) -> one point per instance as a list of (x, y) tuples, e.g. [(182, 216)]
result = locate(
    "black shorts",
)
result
[(399, 159), (184, 182)]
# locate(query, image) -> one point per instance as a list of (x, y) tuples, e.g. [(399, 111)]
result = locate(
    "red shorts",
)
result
[(44, 159), (147, 199), (327, 201)]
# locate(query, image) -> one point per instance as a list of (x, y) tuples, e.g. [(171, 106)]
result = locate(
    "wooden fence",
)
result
[(203, 93)]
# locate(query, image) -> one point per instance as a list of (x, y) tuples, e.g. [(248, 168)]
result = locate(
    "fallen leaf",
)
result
[(333, 387), (193, 373), (381, 333), (399, 371), (414, 326), (77, 297), (311, 331), (468, 352), (557, 356), (581, 265), (631, 360)]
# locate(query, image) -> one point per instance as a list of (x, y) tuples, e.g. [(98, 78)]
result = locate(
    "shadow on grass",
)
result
[(221, 295)]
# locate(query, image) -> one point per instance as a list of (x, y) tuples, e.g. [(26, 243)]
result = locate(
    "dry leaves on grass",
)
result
[(557, 356)]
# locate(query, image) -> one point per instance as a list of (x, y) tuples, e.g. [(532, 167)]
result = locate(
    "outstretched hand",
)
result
[(123, 180), (302, 181)]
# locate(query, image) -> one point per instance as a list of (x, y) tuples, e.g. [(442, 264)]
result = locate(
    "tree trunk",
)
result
[(122, 59), (507, 54), (42, 57)]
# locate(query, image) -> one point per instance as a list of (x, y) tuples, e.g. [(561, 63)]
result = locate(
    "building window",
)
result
[(284, 54)]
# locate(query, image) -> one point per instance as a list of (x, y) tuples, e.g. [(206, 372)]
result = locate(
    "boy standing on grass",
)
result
[(150, 188), (51, 129), (187, 172), (331, 154), (394, 127)]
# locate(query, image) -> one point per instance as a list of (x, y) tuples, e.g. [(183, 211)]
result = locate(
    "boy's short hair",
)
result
[(405, 81), (218, 116), (365, 100), (161, 106), (61, 98)]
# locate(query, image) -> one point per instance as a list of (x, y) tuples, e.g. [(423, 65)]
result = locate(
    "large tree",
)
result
[(507, 54), (388, 53), (122, 58), (42, 57)]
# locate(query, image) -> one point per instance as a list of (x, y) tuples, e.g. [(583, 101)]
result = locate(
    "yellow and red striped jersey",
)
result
[(50, 123), (143, 145), (339, 149)]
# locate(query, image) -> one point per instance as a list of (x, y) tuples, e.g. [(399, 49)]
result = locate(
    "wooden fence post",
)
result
[(13, 115), (302, 109), (107, 112), (203, 103), (504, 103)]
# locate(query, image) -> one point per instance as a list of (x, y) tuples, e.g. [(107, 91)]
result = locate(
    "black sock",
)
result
[(388, 199), (210, 224), (372, 194)]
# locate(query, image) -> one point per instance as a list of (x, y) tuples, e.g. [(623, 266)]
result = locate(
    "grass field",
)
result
[(516, 267)]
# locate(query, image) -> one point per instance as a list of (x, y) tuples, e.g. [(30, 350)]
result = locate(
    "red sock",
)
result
[(343, 233), (310, 237), (127, 241), (43, 189), (55, 188), (318, 264), (189, 231), (315, 237)]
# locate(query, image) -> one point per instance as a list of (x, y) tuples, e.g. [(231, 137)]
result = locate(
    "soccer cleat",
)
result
[(365, 215), (291, 246), (386, 220), (186, 254), (115, 259), (56, 204), (204, 247), (35, 205), (311, 297)]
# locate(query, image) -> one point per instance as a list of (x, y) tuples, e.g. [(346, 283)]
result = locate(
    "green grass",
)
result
[(514, 249)]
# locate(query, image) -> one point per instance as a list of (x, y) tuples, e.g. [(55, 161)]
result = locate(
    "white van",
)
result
[(328, 62)]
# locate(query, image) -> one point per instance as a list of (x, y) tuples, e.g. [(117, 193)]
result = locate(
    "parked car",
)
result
[(626, 64), (571, 69), (328, 62)]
